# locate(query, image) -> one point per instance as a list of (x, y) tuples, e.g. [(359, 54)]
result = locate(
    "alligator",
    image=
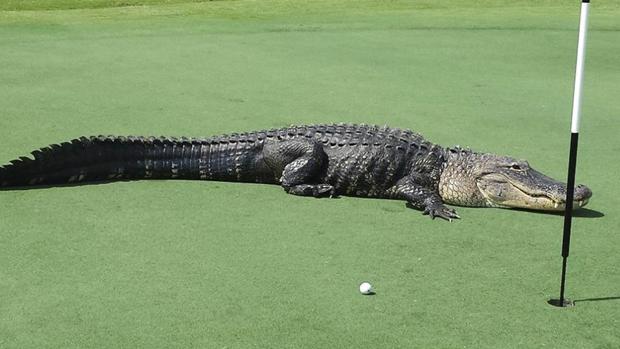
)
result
[(315, 160)]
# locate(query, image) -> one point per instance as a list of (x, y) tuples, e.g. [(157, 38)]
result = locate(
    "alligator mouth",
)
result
[(502, 191), (558, 204)]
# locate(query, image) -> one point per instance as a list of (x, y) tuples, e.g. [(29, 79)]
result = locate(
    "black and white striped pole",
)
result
[(572, 159)]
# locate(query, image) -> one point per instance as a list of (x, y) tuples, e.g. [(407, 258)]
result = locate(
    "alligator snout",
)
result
[(582, 195)]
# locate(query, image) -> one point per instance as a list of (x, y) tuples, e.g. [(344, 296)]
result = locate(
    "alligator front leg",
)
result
[(422, 198), (300, 161)]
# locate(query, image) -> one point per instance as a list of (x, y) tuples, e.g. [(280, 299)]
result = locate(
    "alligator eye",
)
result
[(515, 167)]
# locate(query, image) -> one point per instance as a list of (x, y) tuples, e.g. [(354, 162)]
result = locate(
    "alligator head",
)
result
[(488, 180)]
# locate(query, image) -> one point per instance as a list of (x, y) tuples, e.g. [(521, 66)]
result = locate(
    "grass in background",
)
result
[(34, 5), (165, 264), (28, 5)]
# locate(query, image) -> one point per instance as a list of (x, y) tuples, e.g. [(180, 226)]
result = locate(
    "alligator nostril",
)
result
[(583, 192)]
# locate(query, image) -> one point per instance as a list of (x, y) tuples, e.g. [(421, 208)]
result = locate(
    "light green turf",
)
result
[(179, 264)]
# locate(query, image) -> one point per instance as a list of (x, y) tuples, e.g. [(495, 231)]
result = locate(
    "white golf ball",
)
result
[(366, 288)]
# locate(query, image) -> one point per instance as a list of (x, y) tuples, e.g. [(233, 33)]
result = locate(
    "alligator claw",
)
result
[(323, 190), (316, 190), (441, 212)]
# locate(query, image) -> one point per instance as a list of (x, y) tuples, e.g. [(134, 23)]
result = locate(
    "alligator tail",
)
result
[(113, 158)]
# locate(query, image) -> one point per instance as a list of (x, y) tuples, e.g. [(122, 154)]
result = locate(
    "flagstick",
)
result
[(572, 160)]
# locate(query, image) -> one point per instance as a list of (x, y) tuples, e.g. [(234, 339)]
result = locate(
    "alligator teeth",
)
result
[(556, 204), (580, 203)]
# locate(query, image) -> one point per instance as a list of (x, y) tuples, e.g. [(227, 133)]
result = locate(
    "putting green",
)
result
[(178, 264)]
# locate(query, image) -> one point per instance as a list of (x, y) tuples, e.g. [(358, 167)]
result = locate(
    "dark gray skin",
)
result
[(317, 160)]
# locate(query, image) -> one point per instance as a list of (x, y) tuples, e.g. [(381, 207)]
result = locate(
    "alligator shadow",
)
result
[(62, 185), (579, 213), (119, 180)]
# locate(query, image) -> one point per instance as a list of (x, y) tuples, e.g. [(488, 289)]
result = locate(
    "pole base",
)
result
[(556, 303)]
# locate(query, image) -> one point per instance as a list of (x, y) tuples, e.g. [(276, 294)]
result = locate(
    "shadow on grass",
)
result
[(63, 185), (579, 213), (617, 298), (121, 180)]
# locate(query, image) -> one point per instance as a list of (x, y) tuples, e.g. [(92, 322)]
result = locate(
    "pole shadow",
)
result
[(601, 299)]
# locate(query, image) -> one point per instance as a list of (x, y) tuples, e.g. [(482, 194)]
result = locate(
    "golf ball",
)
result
[(366, 288)]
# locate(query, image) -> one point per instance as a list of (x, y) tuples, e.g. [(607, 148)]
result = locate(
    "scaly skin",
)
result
[(316, 160)]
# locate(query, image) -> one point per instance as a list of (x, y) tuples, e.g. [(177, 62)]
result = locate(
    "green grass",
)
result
[(35, 5), (284, 6), (177, 264)]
